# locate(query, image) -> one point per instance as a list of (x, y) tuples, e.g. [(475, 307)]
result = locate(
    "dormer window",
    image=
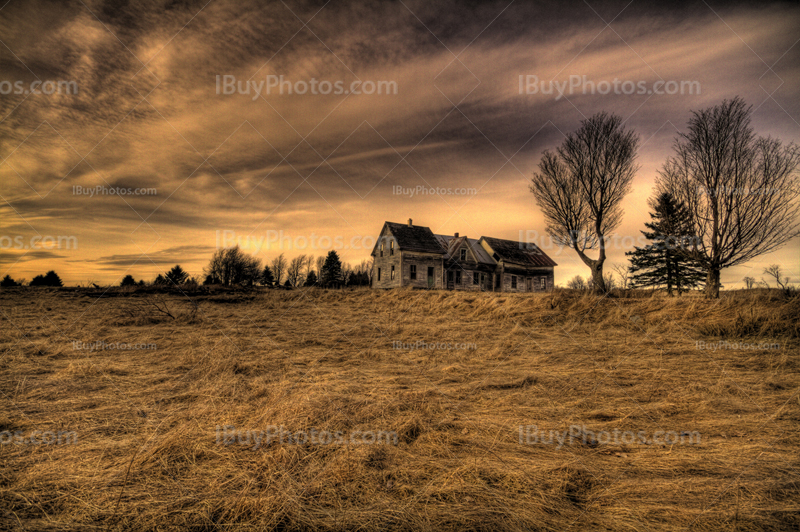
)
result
[(463, 254)]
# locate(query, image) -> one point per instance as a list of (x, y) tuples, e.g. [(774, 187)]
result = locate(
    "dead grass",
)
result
[(147, 421)]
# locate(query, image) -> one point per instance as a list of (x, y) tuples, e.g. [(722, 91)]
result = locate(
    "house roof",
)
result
[(522, 253), (415, 238), (452, 243), (421, 239)]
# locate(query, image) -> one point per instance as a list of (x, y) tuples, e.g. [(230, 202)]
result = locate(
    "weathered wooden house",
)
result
[(411, 255)]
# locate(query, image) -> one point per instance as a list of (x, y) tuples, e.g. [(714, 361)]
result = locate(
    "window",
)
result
[(413, 272), (543, 280), (381, 249), (458, 277), (379, 274), (513, 281), (392, 274), (391, 247), (463, 254), (475, 276)]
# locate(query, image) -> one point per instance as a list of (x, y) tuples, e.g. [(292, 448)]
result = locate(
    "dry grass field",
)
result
[(152, 453)]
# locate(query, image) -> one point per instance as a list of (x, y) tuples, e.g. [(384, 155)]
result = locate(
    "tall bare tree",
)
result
[(278, 266), (294, 272), (309, 265), (347, 272), (580, 187), (742, 191)]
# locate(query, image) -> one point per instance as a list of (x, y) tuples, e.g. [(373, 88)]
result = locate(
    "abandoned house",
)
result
[(411, 255)]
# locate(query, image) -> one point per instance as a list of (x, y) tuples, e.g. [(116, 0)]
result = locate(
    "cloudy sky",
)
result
[(114, 95)]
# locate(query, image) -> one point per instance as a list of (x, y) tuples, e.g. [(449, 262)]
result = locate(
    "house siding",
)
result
[(422, 261), (385, 264)]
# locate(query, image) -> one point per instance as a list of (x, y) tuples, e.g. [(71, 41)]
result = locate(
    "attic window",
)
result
[(382, 244), (391, 247), (463, 254)]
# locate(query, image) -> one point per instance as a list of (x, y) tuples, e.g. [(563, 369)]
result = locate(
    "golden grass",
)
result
[(147, 455)]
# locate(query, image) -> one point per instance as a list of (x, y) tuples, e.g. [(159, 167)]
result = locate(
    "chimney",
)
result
[(456, 235), (409, 222)]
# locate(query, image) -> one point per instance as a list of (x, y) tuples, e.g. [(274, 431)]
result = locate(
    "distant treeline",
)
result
[(233, 267)]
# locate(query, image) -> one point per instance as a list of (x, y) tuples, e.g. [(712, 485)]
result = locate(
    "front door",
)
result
[(430, 277), (450, 283)]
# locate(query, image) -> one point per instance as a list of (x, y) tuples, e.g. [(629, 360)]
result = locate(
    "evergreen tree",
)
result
[(311, 278), (332, 270), (663, 262), (128, 280), (267, 279), (177, 276), (51, 278), (8, 281), (287, 284)]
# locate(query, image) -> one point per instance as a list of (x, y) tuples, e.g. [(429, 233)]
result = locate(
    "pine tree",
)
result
[(51, 278), (128, 280), (311, 278), (332, 270), (177, 276), (8, 281), (662, 262), (267, 279)]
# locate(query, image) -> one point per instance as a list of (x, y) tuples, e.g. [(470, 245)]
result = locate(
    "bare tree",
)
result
[(580, 187), (776, 272), (347, 272), (310, 266), (365, 267), (741, 190), (294, 273), (232, 266), (749, 282), (278, 267), (318, 262), (576, 283), (624, 274)]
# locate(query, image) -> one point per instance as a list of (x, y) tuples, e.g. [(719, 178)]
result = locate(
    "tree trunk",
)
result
[(597, 277), (596, 267), (712, 284), (669, 272)]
